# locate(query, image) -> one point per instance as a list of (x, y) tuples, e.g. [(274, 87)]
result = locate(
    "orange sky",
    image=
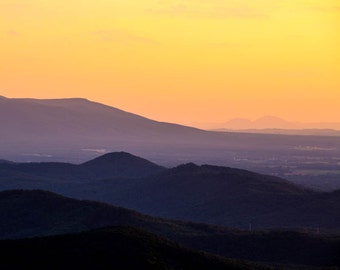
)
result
[(185, 61)]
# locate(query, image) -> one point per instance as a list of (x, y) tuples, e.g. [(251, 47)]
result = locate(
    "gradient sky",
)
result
[(184, 61)]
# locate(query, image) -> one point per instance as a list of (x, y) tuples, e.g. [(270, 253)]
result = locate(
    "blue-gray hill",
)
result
[(40, 213)]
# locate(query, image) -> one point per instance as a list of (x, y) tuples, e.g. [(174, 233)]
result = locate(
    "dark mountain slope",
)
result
[(235, 178), (114, 248), (209, 194), (284, 247), (39, 213), (223, 196)]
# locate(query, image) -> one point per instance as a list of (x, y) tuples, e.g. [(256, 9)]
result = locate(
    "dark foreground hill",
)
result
[(30, 213), (40, 213), (114, 248)]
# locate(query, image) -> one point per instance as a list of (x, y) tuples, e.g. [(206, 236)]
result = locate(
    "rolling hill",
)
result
[(120, 165), (224, 196), (209, 194), (114, 248), (39, 213), (33, 174)]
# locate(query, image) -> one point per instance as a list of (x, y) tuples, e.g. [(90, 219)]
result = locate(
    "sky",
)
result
[(183, 61)]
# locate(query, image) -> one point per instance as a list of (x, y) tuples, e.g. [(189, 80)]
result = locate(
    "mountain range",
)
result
[(274, 123), (209, 194), (76, 130), (183, 207)]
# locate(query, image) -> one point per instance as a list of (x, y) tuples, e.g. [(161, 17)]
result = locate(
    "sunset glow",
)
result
[(181, 61)]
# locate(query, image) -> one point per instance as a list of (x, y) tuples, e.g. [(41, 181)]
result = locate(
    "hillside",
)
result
[(223, 196), (120, 165), (67, 126), (40, 213), (114, 248), (209, 194), (46, 175)]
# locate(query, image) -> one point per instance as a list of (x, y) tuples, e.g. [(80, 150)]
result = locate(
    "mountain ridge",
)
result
[(200, 193), (273, 123), (115, 164), (75, 129)]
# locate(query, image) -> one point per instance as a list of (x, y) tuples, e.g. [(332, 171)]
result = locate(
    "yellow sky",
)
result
[(184, 61)]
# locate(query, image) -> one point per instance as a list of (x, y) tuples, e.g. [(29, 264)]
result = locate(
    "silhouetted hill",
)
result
[(209, 194), (114, 248), (235, 178), (121, 165), (51, 175), (39, 213), (31, 213), (281, 247), (224, 196)]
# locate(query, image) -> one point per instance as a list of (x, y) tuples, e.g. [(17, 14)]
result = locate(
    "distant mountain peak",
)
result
[(267, 121), (270, 117)]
